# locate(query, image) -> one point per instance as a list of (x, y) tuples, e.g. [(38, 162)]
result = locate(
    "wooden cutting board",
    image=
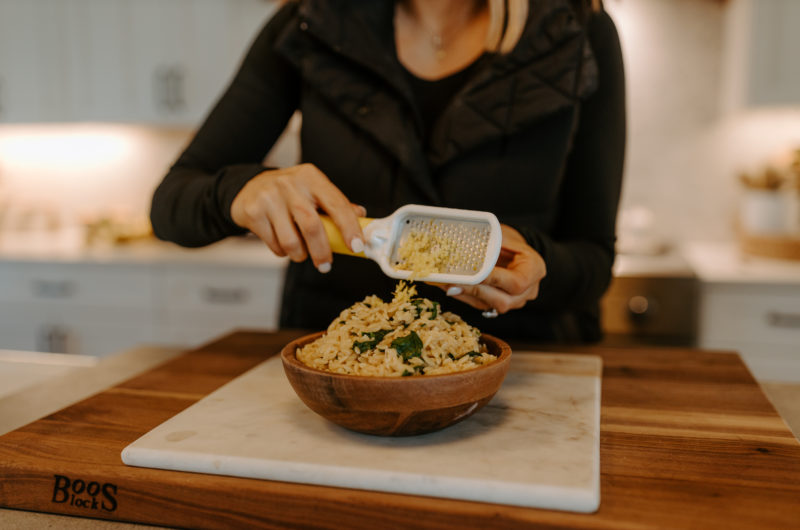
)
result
[(687, 440), (536, 444)]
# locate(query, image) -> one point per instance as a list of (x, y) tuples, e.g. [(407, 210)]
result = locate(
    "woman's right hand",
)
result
[(281, 207)]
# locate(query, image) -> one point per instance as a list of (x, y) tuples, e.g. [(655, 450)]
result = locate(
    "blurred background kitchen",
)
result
[(98, 97)]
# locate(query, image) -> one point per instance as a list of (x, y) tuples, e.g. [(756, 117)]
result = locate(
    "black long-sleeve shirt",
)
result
[(536, 136)]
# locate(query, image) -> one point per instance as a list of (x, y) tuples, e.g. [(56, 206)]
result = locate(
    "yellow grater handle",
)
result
[(335, 236)]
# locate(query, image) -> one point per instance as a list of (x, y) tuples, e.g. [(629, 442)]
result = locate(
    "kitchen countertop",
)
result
[(45, 383), (726, 263), (668, 265), (712, 262), (697, 432), (67, 246)]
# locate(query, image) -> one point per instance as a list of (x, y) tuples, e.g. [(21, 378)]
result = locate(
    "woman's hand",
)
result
[(511, 284), (281, 207)]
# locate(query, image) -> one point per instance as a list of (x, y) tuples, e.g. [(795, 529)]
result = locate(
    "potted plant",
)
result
[(766, 205)]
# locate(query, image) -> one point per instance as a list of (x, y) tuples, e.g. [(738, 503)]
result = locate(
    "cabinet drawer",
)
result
[(658, 307), (764, 314), (76, 284), (76, 330), (239, 296)]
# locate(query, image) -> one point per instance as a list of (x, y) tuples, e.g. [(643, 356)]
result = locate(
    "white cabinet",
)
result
[(750, 305), (33, 61), (761, 322), (207, 301), (151, 61), (88, 309), (762, 38), (100, 82), (177, 53), (92, 308)]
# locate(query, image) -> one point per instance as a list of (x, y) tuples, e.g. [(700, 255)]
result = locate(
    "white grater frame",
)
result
[(382, 235)]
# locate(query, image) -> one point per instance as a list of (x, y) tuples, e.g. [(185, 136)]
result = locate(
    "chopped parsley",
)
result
[(373, 338), (408, 346), (419, 306)]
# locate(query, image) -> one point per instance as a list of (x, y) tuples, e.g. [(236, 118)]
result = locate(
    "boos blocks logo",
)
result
[(86, 495)]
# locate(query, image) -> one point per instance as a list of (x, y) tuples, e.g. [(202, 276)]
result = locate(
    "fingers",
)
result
[(312, 237), (520, 277), (263, 229), (344, 214), (286, 232), (359, 210), (484, 297), (281, 207), (512, 283)]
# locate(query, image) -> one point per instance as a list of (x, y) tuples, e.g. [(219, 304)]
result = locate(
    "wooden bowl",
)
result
[(396, 406)]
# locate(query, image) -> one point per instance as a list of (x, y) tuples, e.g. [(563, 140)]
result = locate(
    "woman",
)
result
[(421, 101)]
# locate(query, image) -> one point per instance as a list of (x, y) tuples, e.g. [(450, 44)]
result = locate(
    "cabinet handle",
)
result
[(53, 288), (160, 89), (642, 309), (225, 295), (176, 89), (777, 319), (168, 88), (54, 339)]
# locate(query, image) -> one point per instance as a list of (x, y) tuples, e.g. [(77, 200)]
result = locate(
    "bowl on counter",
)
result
[(396, 406)]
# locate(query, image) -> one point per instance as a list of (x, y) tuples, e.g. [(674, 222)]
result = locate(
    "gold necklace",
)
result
[(438, 40)]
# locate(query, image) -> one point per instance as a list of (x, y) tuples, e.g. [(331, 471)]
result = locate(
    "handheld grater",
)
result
[(465, 243)]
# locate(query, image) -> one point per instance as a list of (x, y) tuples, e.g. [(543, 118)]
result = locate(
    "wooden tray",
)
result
[(780, 247), (688, 439)]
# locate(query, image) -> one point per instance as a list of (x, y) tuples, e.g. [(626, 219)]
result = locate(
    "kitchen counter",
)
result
[(44, 383), (68, 246), (59, 295), (724, 263), (686, 436)]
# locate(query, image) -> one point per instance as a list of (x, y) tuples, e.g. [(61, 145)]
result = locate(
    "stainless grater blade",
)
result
[(446, 246), (463, 244)]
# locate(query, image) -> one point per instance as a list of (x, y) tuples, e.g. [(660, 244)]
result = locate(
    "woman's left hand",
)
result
[(512, 283)]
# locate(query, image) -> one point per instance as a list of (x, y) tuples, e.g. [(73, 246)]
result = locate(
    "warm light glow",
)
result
[(78, 148), (84, 168)]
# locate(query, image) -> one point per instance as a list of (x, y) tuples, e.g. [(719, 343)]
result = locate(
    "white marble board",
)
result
[(536, 444)]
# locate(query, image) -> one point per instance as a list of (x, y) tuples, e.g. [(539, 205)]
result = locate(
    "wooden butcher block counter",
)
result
[(687, 440)]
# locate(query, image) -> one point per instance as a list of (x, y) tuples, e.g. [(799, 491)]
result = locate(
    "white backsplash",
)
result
[(78, 170), (684, 154)]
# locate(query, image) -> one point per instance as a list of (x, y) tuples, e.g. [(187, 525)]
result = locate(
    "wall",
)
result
[(684, 153), (78, 170)]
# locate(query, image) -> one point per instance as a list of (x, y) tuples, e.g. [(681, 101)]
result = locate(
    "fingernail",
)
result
[(324, 268), (356, 245), (362, 211), (454, 291)]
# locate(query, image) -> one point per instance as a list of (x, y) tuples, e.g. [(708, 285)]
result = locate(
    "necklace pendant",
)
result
[(438, 46)]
